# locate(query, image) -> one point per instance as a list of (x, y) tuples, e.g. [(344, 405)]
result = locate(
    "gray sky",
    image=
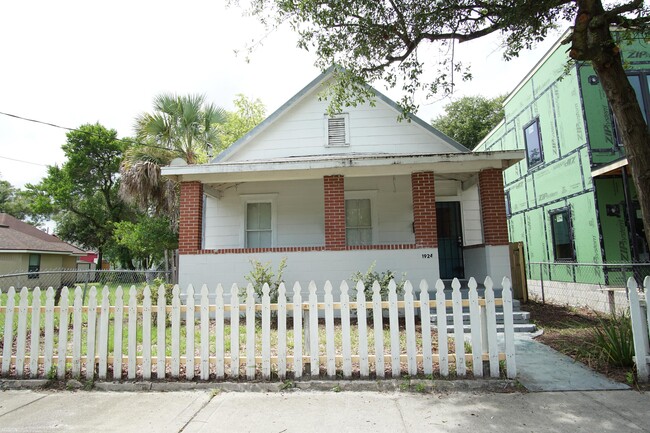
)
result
[(72, 62)]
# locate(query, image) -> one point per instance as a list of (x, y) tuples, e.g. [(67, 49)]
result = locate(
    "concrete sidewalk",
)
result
[(303, 411)]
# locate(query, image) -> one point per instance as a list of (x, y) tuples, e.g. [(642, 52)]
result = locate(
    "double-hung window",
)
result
[(533, 140), (562, 232), (259, 232), (359, 219), (34, 265)]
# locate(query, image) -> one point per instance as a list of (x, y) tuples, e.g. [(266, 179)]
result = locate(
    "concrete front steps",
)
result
[(521, 318)]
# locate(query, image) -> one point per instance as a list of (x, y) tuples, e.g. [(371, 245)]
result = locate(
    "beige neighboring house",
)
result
[(26, 249)]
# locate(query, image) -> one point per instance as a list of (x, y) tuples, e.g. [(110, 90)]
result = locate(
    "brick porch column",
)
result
[(424, 209), (334, 196), (493, 207), (191, 215)]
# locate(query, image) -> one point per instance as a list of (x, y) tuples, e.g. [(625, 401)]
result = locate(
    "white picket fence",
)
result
[(640, 315), (77, 340)]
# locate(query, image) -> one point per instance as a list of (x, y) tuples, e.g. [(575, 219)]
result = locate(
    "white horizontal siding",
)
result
[(300, 212), (301, 131), (471, 209)]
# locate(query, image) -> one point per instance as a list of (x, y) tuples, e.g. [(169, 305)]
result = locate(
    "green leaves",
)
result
[(469, 119)]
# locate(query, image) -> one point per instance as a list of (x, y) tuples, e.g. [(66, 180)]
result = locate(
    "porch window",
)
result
[(34, 265), (358, 221), (338, 130), (258, 225), (533, 141), (562, 232)]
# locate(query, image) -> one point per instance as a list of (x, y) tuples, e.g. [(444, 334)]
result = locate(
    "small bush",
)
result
[(154, 292), (383, 279), (613, 338), (263, 273)]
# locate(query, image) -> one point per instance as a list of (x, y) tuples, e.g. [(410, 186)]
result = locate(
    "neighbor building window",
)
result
[(358, 221), (259, 220), (562, 232), (34, 265), (533, 142), (338, 130), (640, 82)]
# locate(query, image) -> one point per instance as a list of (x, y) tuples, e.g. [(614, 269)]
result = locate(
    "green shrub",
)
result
[(154, 292), (613, 338), (263, 273), (383, 279)]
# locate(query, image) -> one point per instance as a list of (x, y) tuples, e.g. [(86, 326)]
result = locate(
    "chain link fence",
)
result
[(84, 278), (599, 286)]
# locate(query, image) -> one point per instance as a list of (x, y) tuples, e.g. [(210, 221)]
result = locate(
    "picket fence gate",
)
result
[(640, 316), (83, 343)]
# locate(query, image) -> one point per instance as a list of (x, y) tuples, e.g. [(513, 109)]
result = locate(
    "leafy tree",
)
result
[(469, 119), (247, 115), (81, 195), (16, 203), (373, 40), (179, 127), (147, 238)]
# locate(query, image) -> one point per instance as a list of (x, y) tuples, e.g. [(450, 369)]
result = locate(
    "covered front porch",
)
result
[(422, 217)]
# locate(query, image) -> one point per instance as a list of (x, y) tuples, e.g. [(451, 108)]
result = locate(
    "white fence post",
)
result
[(493, 348), (266, 332), (459, 328), (282, 331), (409, 318), (176, 332), (220, 335), (441, 320), (49, 331), (362, 324), (161, 345), (329, 331), (475, 325), (103, 334), (146, 334), (640, 325), (297, 330), (118, 318), (250, 332), (313, 330), (509, 329), (205, 333), (76, 334), (378, 325), (425, 324), (189, 333), (35, 335), (22, 334), (393, 324), (346, 346), (131, 334), (234, 331), (9, 336)]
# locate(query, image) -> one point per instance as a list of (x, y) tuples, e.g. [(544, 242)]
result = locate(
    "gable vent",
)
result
[(337, 131)]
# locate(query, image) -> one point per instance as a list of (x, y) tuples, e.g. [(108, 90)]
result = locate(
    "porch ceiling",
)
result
[(456, 166)]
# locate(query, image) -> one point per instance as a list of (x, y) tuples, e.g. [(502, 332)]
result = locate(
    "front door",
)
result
[(450, 240)]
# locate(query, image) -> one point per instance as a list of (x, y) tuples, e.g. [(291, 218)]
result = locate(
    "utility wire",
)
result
[(126, 140), (25, 162)]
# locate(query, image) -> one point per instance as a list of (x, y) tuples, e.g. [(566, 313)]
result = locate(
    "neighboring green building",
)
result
[(572, 199)]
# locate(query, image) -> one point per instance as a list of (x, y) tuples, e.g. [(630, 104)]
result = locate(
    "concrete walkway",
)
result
[(305, 411), (540, 368)]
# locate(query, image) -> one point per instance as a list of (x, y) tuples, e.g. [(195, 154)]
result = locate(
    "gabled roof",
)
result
[(16, 235), (322, 78)]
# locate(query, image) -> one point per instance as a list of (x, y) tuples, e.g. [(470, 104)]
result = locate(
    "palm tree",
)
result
[(179, 127)]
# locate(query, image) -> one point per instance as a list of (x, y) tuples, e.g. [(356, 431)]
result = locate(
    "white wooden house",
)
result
[(336, 194)]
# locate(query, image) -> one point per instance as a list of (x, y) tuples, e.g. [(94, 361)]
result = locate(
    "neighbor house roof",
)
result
[(18, 236)]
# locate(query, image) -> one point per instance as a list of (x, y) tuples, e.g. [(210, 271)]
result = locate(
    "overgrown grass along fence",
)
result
[(127, 340), (640, 316)]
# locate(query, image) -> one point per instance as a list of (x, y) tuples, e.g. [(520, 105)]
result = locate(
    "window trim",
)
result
[(365, 195), (258, 198), (346, 119), (33, 274), (644, 77), (535, 121), (508, 204), (551, 214)]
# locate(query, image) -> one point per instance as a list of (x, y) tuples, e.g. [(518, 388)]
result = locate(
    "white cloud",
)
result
[(75, 62)]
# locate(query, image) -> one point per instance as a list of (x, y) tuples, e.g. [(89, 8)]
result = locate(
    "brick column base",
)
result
[(191, 216), (493, 207), (334, 196), (424, 209)]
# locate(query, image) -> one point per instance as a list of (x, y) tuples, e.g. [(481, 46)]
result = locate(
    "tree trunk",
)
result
[(100, 259), (592, 40)]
